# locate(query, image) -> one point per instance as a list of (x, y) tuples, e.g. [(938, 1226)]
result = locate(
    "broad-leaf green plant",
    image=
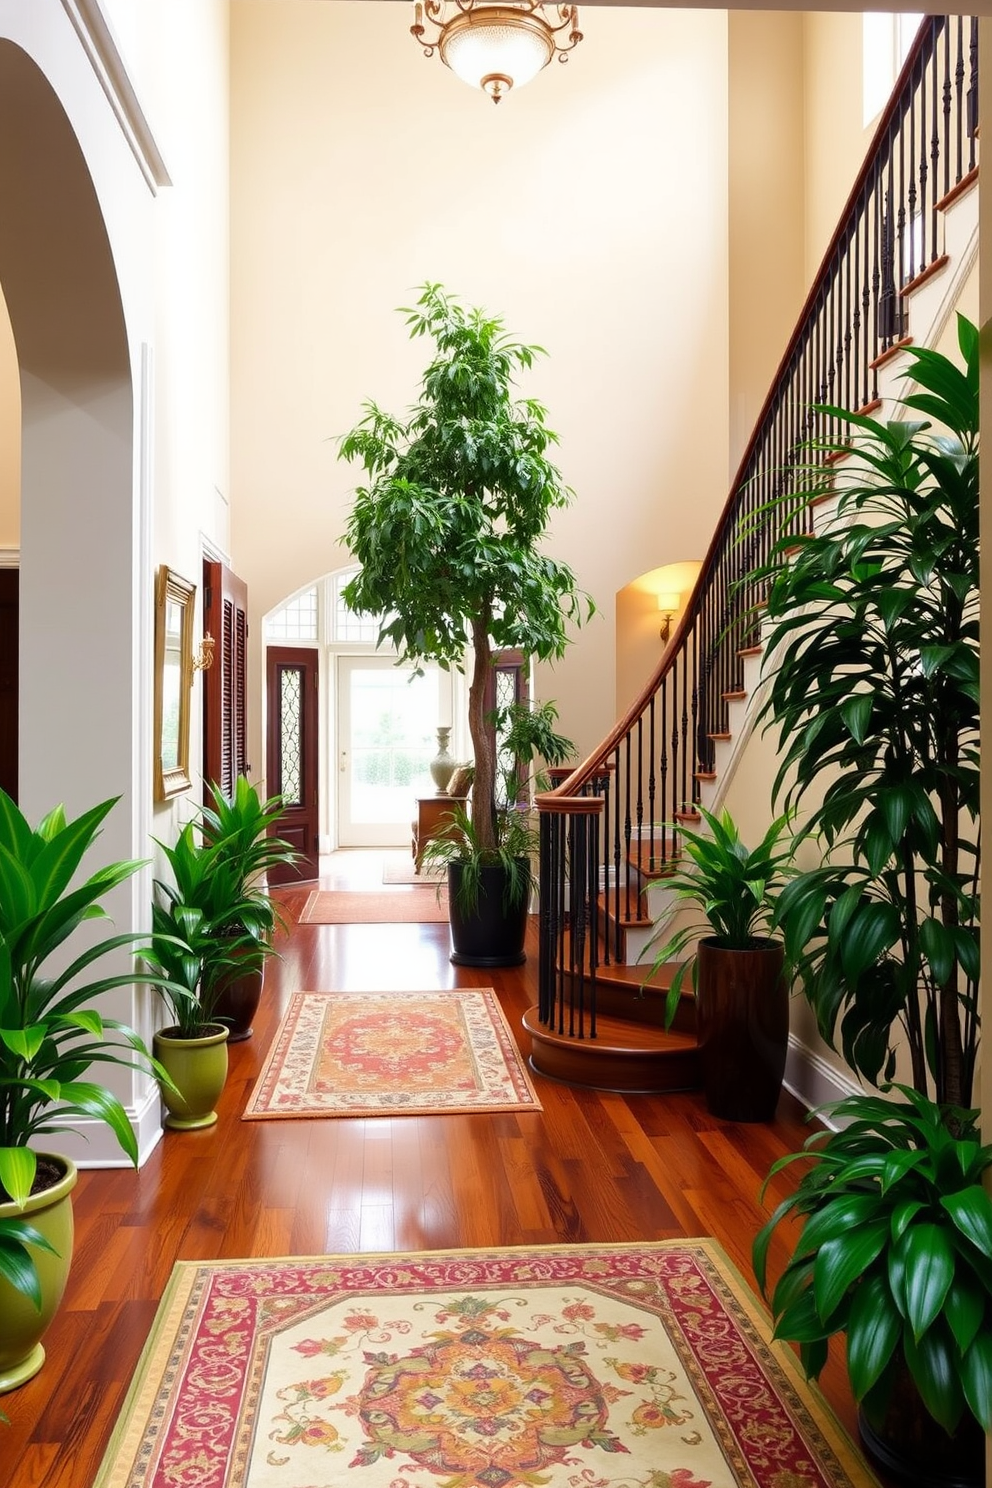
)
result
[(242, 827), (872, 631), (51, 1032), (204, 923), (450, 526), (895, 1252), (734, 888), (17, 1239)]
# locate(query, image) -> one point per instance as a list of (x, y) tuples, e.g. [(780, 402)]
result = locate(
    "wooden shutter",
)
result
[(225, 720)]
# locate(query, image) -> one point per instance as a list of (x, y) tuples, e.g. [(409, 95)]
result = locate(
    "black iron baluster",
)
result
[(973, 94)]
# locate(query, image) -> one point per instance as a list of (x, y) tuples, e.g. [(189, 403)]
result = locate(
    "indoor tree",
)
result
[(450, 525)]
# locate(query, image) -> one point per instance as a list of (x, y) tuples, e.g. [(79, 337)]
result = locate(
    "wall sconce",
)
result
[(668, 608), (204, 658)]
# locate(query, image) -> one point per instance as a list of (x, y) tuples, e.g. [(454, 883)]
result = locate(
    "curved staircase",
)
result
[(609, 831)]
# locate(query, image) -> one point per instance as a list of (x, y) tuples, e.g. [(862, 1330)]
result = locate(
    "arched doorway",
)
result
[(60, 284), (82, 729)]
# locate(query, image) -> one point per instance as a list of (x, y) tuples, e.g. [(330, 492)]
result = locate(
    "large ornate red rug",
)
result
[(392, 1054), (624, 1366)]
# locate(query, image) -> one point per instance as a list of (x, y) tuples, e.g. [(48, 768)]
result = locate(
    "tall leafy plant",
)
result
[(873, 634), (449, 526), (51, 1031)]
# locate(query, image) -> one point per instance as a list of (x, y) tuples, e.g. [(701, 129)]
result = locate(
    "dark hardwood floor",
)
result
[(592, 1167)]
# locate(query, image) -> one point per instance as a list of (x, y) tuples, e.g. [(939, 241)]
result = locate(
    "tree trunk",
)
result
[(483, 732)]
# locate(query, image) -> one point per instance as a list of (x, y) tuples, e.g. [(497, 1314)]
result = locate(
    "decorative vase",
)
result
[(742, 1023), (442, 766), (198, 1069), (21, 1324)]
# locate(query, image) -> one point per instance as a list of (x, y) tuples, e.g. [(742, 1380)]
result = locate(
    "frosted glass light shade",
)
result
[(496, 48)]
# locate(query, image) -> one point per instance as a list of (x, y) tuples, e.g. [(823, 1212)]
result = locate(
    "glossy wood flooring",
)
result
[(592, 1167)]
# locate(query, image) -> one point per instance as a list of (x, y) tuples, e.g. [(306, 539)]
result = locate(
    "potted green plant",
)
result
[(872, 631), (490, 891), (51, 1035), (895, 1254), (449, 533), (191, 958), (736, 964), (242, 827)]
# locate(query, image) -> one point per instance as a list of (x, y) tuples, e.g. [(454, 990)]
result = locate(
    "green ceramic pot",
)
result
[(198, 1068), (21, 1325)]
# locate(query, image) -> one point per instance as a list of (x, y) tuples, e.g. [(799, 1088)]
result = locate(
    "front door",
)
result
[(291, 764), (387, 736)]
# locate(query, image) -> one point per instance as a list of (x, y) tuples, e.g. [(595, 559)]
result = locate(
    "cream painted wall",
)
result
[(590, 210), (192, 447), (768, 278), (836, 140), (104, 500)]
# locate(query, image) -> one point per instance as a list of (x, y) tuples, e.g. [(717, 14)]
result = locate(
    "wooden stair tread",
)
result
[(632, 1058), (608, 905), (653, 857), (635, 994), (616, 1035)]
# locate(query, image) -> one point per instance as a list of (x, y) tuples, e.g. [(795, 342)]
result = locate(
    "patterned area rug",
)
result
[(392, 1054), (630, 1366), (420, 906)]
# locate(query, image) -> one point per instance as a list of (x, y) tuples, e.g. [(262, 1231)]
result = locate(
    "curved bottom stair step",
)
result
[(631, 1058)]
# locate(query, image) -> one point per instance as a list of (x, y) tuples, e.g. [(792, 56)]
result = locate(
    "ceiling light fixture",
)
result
[(496, 47)]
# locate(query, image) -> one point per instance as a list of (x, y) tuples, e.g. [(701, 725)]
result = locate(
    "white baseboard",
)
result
[(91, 1144), (815, 1082)]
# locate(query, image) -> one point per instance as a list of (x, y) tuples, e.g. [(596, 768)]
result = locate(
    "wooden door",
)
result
[(225, 727), (291, 674), (9, 633)]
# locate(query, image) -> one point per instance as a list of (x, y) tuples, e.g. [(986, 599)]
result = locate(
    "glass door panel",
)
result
[(387, 736)]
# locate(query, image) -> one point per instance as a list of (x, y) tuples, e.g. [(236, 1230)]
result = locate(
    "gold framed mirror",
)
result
[(173, 681)]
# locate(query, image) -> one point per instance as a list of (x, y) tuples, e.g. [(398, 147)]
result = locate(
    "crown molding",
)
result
[(93, 30)]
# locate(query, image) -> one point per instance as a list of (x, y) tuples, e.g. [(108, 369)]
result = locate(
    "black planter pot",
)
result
[(492, 933), (915, 1449), (742, 1021)]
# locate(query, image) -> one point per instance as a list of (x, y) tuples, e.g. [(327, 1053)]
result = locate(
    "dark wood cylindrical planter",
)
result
[(915, 1449), (492, 934), (238, 996), (21, 1324), (743, 1028)]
